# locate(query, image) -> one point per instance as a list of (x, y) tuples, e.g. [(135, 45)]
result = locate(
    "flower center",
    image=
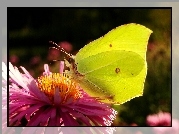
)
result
[(68, 89)]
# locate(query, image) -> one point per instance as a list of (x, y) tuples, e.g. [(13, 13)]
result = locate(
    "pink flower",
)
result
[(53, 100), (160, 119)]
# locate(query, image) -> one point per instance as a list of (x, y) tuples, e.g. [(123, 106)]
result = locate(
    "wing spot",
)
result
[(110, 45), (117, 70)]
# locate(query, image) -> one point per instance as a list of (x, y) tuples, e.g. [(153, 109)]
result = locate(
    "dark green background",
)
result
[(31, 29)]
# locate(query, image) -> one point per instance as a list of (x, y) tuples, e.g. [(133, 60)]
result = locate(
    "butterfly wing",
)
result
[(117, 75), (115, 64), (131, 37)]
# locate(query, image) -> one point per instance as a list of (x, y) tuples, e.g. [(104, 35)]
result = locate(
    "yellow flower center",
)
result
[(67, 88)]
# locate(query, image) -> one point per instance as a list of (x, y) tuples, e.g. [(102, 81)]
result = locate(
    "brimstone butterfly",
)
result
[(114, 66)]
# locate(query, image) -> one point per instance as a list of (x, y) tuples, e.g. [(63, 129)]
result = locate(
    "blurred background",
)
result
[(31, 29)]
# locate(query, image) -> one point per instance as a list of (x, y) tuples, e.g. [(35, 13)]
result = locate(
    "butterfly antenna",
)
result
[(60, 48)]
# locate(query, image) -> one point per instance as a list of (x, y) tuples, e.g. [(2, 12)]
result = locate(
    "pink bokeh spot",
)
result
[(160, 119), (66, 45)]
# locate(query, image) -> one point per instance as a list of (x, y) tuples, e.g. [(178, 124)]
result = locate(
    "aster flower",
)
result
[(53, 100)]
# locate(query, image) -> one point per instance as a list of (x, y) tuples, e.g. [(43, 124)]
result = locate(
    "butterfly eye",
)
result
[(70, 60)]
